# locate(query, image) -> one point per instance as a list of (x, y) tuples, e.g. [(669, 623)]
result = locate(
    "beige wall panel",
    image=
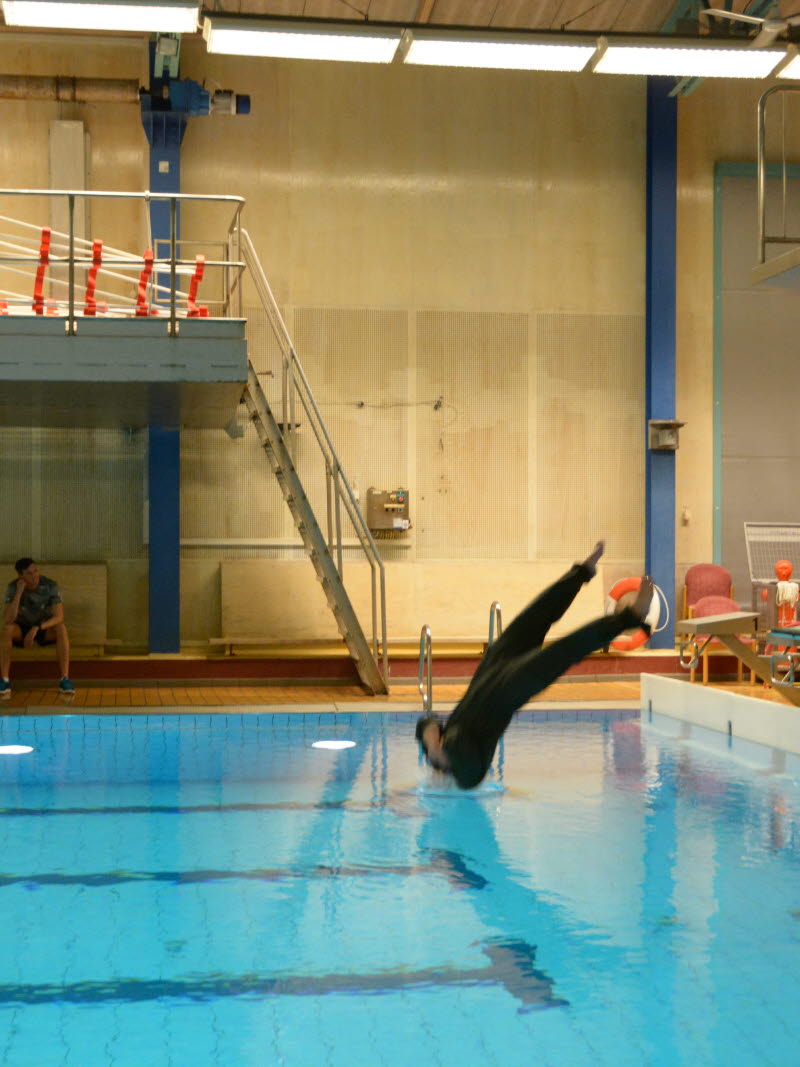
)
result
[(200, 600), (589, 222), (80, 57), (228, 489), (78, 494), (282, 600), (590, 445), (454, 597), (119, 151), (127, 601), (278, 600), (356, 361), (432, 188), (472, 449)]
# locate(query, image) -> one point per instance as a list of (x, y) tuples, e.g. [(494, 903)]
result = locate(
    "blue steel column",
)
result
[(165, 130), (662, 151)]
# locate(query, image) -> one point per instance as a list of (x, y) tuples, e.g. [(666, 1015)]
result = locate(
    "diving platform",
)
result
[(727, 630), (121, 372), (95, 332)]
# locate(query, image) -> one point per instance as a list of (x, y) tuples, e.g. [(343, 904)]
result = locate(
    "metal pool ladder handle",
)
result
[(689, 652), (782, 666), (495, 621), (425, 671)]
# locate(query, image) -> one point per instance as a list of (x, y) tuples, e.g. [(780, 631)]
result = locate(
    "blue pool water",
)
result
[(212, 890)]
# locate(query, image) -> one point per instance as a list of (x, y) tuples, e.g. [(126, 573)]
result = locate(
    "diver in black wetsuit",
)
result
[(516, 667)]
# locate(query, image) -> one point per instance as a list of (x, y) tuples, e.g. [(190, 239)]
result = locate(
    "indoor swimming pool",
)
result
[(214, 890)]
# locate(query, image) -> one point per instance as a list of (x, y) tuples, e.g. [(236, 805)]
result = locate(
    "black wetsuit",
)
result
[(516, 667)]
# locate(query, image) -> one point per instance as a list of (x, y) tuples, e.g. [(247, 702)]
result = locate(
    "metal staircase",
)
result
[(316, 546), (278, 438)]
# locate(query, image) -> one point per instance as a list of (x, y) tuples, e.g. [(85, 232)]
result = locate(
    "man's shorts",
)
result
[(41, 637)]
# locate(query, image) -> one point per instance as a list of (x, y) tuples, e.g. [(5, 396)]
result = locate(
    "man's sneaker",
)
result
[(5, 689), (66, 686)]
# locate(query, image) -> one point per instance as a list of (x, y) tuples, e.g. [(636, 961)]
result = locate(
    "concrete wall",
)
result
[(431, 192)]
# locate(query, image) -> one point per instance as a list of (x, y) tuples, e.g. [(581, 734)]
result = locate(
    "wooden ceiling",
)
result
[(585, 16)]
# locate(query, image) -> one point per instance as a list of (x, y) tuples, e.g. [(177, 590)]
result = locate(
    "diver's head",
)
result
[(429, 733)]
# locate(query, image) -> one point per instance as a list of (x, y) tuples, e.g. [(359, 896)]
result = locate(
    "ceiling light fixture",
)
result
[(500, 51), (281, 40), (686, 60), (134, 16), (791, 67)]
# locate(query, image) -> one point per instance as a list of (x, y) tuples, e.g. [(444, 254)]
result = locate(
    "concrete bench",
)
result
[(273, 648)]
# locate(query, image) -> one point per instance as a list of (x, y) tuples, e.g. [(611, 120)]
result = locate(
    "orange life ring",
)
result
[(626, 642)]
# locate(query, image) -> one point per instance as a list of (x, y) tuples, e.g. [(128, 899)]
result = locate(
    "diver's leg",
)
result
[(529, 629), (529, 674)]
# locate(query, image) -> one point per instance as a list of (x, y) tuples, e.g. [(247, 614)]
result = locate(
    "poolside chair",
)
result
[(705, 579), (718, 605)]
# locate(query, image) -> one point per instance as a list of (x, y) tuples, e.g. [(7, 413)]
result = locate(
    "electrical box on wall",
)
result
[(662, 435), (387, 512)]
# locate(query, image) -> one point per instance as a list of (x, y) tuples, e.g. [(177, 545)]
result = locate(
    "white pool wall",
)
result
[(750, 718)]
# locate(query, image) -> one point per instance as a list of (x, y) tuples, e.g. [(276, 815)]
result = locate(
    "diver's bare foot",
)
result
[(590, 563), (641, 605)]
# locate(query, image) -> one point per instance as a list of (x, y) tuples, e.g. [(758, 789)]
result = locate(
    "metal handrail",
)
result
[(172, 263), (296, 389), (763, 237), (495, 621), (425, 669)]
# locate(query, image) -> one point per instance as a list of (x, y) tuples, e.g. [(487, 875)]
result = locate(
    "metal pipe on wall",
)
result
[(69, 90)]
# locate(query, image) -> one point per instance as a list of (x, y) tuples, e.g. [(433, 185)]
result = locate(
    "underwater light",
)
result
[(334, 744), (14, 750)]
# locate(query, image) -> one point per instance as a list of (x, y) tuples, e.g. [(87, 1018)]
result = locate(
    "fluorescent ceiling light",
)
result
[(14, 750), (687, 61), (136, 16), (501, 52), (248, 37), (792, 68), (335, 745)]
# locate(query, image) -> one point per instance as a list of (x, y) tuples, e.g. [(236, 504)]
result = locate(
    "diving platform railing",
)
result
[(141, 283), (425, 674)]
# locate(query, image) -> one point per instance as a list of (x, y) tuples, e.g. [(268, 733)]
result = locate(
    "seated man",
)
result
[(33, 612), (517, 667)]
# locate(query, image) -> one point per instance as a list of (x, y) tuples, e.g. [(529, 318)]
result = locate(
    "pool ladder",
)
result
[(425, 669), (425, 677)]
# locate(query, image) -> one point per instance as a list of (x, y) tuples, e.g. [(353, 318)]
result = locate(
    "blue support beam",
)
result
[(662, 150), (165, 129), (164, 470)]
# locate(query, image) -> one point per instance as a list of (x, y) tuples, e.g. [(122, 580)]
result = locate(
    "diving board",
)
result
[(726, 628)]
